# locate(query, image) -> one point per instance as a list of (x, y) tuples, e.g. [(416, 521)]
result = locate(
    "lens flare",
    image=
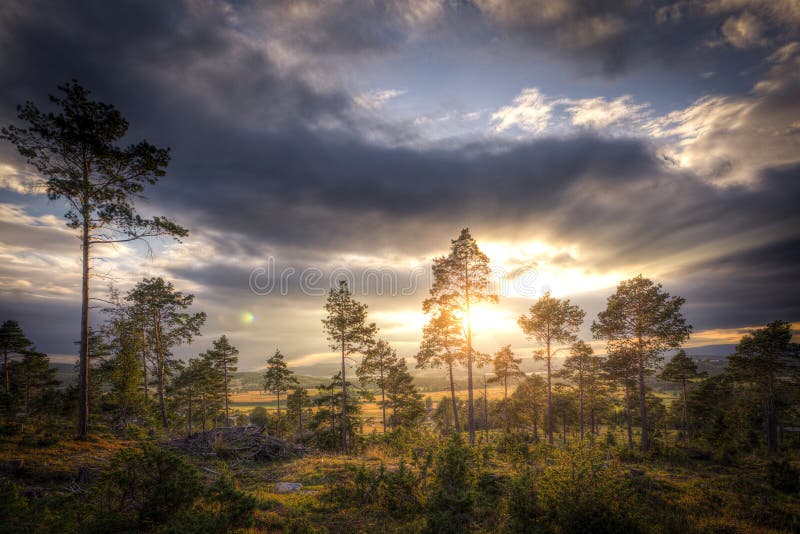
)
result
[(248, 318)]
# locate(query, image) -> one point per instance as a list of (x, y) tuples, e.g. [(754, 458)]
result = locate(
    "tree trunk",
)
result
[(772, 418), (629, 415), (225, 378), (549, 394), (643, 408), (300, 418), (161, 396), (580, 407), (383, 398), (453, 399), (144, 368), (204, 412), (278, 424), (161, 363), (485, 410), (5, 371), (344, 403), (505, 401), (685, 413), (470, 406), (189, 415), (83, 381)]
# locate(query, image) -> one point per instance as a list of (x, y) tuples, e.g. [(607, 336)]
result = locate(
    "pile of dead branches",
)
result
[(237, 443)]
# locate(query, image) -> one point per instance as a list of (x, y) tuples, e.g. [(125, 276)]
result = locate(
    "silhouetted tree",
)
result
[(527, 401), (296, 404), (582, 368), (443, 343), (13, 343), (551, 322), (224, 357), (32, 375), (641, 321), (681, 369), (78, 153), (767, 358), (375, 366), (404, 399), (348, 333), (460, 280), (620, 369), (278, 378), (506, 368)]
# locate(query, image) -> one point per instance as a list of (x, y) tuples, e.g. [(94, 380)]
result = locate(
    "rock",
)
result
[(287, 487)]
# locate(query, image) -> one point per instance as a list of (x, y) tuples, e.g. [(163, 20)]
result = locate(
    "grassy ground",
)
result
[(709, 496)]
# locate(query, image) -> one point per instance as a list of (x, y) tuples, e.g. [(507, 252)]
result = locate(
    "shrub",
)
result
[(145, 487), (451, 497), (521, 511), (783, 477), (222, 509)]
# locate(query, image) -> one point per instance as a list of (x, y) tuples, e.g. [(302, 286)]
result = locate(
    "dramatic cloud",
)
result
[(317, 134)]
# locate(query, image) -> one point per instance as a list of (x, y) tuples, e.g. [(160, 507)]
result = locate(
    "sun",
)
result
[(486, 319)]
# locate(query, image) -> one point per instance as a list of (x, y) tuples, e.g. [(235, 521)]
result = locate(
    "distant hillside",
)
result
[(254, 381), (711, 358), (711, 351)]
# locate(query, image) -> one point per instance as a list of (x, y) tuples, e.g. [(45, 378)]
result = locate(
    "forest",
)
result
[(636, 436)]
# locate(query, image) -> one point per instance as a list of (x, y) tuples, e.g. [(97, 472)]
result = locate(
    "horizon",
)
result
[(582, 146)]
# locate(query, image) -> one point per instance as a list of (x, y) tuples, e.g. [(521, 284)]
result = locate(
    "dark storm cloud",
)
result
[(751, 287), (273, 161), (611, 36)]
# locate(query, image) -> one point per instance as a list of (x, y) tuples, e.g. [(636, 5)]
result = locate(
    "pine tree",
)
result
[(443, 344), (78, 153), (582, 368), (527, 401), (13, 343), (767, 358), (278, 378), (122, 370), (32, 375), (551, 322), (349, 334), (681, 369), (641, 321), (297, 403), (168, 324), (461, 280), (224, 358), (621, 369), (403, 397), (506, 368), (375, 366)]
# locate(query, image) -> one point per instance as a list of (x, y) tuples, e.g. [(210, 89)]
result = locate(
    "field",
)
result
[(245, 401)]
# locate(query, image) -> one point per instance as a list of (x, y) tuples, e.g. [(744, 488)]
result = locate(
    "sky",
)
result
[(582, 142)]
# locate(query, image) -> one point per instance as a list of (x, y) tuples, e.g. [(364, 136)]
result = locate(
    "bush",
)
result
[(581, 492), (145, 487), (783, 477), (521, 511), (451, 499), (222, 509)]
